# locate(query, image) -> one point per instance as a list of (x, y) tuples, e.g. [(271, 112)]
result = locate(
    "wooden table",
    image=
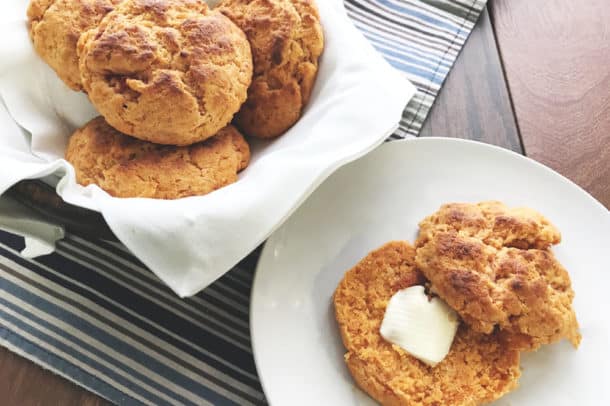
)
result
[(534, 78)]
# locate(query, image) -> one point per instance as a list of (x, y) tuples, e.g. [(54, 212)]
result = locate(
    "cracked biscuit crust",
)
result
[(55, 27), (166, 71), (492, 265), (478, 369), (286, 40), (127, 167)]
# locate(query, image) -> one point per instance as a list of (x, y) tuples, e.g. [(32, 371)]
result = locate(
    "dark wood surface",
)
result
[(23, 383), (474, 102), (556, 60)]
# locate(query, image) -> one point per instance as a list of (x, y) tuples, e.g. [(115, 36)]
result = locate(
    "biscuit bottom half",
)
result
[(478, 369)]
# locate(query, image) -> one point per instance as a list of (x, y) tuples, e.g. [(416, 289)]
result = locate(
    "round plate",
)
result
[(382, 197)]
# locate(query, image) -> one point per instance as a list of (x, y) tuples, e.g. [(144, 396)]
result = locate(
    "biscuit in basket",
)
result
[(287, 40), (55, 27), (490, 263), (166, 71), (478, 368), (127, 167)]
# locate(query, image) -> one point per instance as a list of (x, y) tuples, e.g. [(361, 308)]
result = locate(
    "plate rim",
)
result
[(416, 140)]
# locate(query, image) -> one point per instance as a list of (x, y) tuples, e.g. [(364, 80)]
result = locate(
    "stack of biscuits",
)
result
[(177, 84)]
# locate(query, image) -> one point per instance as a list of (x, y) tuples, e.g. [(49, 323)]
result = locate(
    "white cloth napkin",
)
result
[(356, 103)]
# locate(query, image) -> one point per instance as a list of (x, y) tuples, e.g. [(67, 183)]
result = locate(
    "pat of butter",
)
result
[(423, 328)]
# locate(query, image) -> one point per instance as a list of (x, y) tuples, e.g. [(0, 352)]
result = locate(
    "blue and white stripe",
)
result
[(134, 336), (94, 314), (421, 38)]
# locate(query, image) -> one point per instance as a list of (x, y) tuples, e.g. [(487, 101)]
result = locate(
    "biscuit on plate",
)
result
[(166, 71), (493, 223), (127, 167), (55, 27), (286, 40), (478, 369), (490, 263)]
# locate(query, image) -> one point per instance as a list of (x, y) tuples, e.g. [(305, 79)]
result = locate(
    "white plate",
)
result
[(383, 196)]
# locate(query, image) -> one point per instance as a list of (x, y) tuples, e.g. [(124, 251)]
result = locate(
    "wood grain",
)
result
[(557, 61), (24, 383), (474, 102)]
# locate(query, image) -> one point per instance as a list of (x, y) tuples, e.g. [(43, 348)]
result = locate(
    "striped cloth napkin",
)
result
[(94, 314)]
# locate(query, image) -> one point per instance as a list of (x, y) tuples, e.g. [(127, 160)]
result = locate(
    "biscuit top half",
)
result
[(492, 265), (478, 368)]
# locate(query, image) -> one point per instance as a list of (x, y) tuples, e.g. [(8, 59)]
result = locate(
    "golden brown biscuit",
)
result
[(127, 167), (494, 224), (478, 368), (55, 27), (485, 260), (286, 40), (166, 71)]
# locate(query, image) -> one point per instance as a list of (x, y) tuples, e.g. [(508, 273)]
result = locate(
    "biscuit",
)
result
[(166, 71), (55, 27), (126, 167), (478, 368), (491, 264), (286, 40), (494, 224)]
